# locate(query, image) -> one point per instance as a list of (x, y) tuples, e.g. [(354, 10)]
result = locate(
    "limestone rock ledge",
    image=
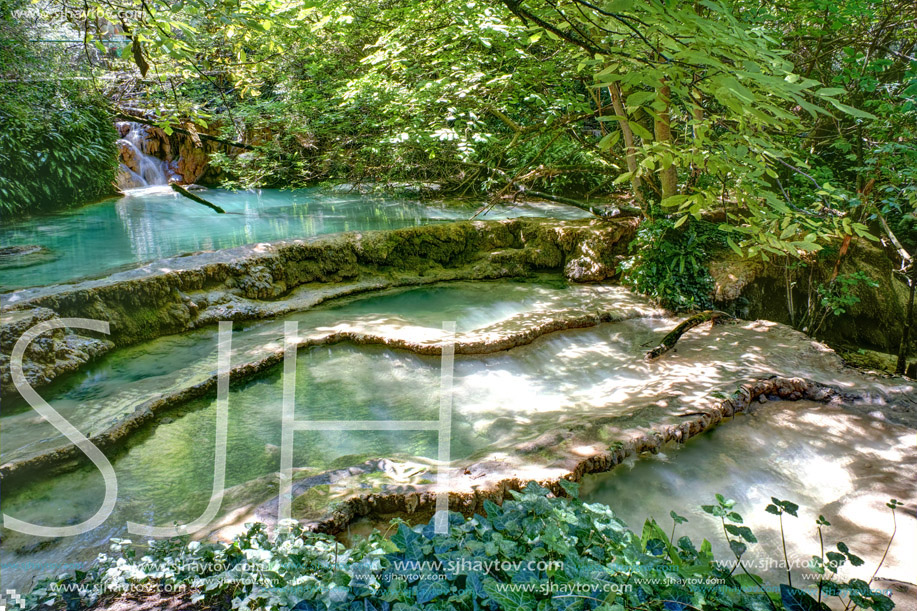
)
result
[(517, 331), (264, 280), (52, 354), (330, 501)]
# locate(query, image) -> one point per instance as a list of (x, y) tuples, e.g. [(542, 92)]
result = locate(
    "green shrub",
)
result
[(669, 263), (57, 148), (834, 298), (57, 139), (534, 552)]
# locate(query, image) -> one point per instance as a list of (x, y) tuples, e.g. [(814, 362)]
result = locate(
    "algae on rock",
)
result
[(756, 289), (264, 280)]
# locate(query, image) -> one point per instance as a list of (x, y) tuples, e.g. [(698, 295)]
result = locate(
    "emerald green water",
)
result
[(166, 474), (116, 384), (593, 380), (155, 222)]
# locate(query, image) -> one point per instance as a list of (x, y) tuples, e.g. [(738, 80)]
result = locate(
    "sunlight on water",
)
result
[(827, 460), (155, 222), (592, 379), (166, 475), (116, 384)]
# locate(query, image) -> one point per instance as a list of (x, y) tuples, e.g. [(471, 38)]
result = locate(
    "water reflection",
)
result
[(155, 222)]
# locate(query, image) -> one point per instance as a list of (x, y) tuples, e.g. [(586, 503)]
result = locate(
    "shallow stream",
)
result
[(165, 474), (522, 413), (155, 222), (827, 459), (592, 380)]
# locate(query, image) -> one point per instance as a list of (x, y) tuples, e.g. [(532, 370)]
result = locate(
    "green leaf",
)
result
[(639, 98), (609, 140), (429, 589), (835, 559), (674, 200), (789, 231), (677, 518), (808, 247), (509, 598), (139, 59), (850, 110), (640, 131), (855, 560), (795, 599), (741, 531), (749, 581), (724, 502)]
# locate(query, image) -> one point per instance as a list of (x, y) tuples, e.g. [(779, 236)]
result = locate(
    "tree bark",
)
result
[(630, 150), (605, 213), (668, 177), (908, 321), (668, 342), (909, 268), (195, 198), (697, 114)]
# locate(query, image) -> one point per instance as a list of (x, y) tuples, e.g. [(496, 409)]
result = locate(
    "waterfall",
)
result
[(138, 167)]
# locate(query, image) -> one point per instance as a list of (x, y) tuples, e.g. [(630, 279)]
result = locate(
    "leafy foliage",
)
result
[(795, 599), (833, 298), (533, 552), (57, 140), (56, 151), (669, 263), (779, 116)]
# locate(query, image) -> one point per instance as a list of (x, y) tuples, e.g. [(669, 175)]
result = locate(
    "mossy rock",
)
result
[(757, 290)]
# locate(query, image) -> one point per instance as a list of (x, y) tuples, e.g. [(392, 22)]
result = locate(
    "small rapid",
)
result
[(138, 167)]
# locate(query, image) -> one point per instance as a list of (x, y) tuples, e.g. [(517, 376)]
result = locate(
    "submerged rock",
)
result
[(50, 355), (25, 256)]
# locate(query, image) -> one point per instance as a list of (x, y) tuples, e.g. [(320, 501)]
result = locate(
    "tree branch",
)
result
[(145, 121)]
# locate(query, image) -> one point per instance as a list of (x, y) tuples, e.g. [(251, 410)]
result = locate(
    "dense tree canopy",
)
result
[(782, 113)]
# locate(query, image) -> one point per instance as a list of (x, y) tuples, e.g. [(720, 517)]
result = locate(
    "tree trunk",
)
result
[(697, 114), (908, 320), (909, 267), (630, 150), (605, 213), (668, 177), (195, 198)]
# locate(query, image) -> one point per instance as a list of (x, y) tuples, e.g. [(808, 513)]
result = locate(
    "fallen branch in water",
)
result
[(604, 212), (186, 193), (668, 342)]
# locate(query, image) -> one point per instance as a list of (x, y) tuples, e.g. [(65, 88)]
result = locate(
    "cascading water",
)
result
[(138, 167)]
